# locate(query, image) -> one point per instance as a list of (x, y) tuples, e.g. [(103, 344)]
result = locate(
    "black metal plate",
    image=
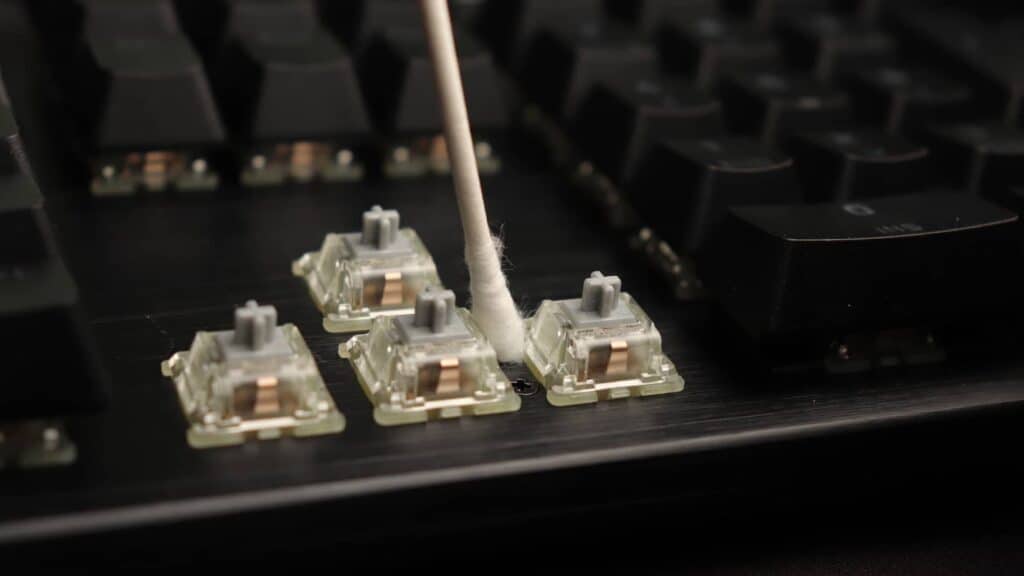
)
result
[(152, 271)]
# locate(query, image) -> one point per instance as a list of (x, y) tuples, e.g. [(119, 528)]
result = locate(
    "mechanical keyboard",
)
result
[(807, 211)]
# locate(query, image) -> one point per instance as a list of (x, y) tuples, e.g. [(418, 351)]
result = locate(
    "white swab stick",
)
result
[(492, 304)]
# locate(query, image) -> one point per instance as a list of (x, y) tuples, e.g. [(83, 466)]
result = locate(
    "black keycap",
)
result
[(357, 21), (212, 22), (128, 17), (904, 99), (10, 141), (617, 124), (650, 15), (16, 30), (23, 236), (983, 159), (398, 81), (272, 17), (705, 49), (768, 13), (684, 189), (919, 261), (775, 107), (143, 92), (40, 313), (827, 44), (465, 13), (205, 21), (286, 87), (867, 10), (26, 78), (988, 57), (842, 166), (562, 65), (509, 26), (38, 304)]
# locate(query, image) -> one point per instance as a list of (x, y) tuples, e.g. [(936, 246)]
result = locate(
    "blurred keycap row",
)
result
[(39, 308), (278, 68), (206, 76), (693, 107), (301, 83), (822, 168)]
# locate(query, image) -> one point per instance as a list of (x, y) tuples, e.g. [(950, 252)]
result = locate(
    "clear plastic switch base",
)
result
[(360, 276), (598, 347), (433, 364), (256, 381)]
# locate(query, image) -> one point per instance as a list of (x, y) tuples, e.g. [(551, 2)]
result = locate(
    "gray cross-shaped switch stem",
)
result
[(600, 294), (254, 325), (380, 227), (434, 309)]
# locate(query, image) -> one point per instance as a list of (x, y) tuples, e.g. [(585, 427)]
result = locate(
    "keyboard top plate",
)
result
[(204, 256)]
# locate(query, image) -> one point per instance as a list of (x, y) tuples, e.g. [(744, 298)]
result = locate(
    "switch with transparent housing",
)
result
[(35, 443), (596, 347), (432, 364), (360, 276), (256, 381)]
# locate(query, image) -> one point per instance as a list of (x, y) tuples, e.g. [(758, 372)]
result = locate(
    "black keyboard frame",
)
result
[(154, 270)]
